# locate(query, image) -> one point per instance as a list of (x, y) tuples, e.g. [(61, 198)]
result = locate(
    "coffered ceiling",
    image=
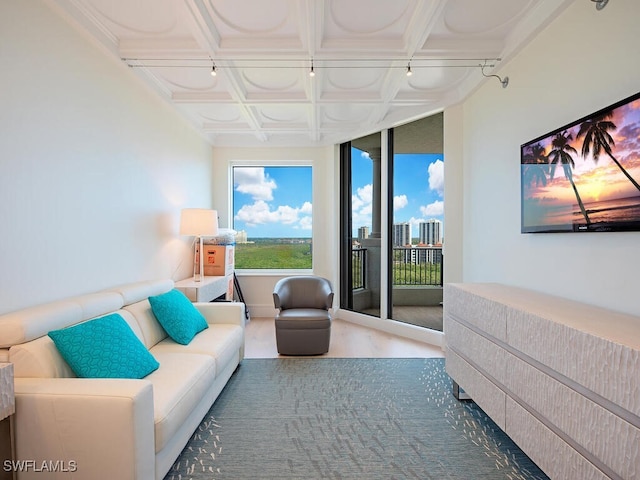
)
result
[(263, 51)]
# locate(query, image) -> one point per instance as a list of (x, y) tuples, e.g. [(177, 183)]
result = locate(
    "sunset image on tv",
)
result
[(586, 175)]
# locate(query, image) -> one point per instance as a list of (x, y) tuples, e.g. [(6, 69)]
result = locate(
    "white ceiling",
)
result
[(263, 94)]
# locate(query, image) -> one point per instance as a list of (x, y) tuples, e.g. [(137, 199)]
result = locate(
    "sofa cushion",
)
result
[(221, 341), (178, 387), (152, 331), (39, 359), (105, 347), (177, 315)]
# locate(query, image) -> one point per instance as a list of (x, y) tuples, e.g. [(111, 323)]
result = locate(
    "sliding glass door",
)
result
[(416, 220), (392, 223), (360, 225)]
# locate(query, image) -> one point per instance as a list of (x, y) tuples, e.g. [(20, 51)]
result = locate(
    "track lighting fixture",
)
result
[(504, 81), (600, 4), (328, 64)]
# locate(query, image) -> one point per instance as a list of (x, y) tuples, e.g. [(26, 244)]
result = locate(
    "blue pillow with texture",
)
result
[(177, 315), (105, 347)]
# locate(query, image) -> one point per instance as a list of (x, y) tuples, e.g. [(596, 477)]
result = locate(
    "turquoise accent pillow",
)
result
[(177, 315), (104, 348)]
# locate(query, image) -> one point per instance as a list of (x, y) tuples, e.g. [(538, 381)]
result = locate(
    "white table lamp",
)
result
[(199, 222)]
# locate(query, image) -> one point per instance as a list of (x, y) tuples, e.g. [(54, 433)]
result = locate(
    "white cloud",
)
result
[(361, 201), (259, 213), (361, 206), (306, 208), (252, 181), (305, 223), (364, 154), (433, 209), (255, 214), (415, 222), (436, 176), (400, 201), (365, 193)]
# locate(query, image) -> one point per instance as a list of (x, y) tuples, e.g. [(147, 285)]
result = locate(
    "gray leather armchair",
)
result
[(303, 324)]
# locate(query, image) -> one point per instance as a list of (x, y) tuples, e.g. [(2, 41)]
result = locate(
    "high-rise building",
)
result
[(363, 232), (241, 236), (430, 232), (401, 234)]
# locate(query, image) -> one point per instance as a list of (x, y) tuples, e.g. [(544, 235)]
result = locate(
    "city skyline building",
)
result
[(401, 234), (430, 232), (363, 232)]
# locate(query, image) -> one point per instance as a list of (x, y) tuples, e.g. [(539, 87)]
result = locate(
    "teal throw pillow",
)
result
[(177, 315), (105, 347)]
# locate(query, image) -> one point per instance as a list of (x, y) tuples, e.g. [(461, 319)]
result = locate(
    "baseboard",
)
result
[(425, 335)]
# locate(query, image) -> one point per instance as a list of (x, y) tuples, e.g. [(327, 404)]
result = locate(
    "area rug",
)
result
[(352, 418)]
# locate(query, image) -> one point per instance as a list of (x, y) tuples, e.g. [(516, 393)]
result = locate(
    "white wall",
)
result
[(258, 288), (584, 61), (93, 169), (453, 194)]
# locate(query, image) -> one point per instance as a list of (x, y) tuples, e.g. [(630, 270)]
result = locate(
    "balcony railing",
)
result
[(411, 266), (358, 267), (417, 266)]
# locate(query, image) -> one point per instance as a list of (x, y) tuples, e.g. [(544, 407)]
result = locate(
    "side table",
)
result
[(7, 409), (208, 289)]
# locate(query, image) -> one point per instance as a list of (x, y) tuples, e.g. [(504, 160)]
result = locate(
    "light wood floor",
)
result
[(348, 340)]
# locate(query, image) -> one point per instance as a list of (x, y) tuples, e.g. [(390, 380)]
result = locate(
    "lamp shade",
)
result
[(199, 222)]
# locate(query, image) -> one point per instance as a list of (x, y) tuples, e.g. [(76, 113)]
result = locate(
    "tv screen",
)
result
[(585, 176)]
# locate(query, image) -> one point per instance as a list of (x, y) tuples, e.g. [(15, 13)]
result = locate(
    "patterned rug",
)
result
[(332, 418)]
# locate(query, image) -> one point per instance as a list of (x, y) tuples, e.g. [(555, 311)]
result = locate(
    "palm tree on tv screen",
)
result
[(561, 155), (597, 139), (535, 166)]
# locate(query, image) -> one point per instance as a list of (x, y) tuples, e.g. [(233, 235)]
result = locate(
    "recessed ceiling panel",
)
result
[(474, 17), (219, 113), (356, 78), (187, 79), (146, 17), (253, 17), (367, 17), (265, 79), (345, 113), (283, 113), (434, 78)]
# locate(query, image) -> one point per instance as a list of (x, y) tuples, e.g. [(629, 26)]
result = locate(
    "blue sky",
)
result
[(277, 201), (418, 189), (272, 201)]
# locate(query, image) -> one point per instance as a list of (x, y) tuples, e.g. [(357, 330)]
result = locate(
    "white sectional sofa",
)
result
[(104, 428)]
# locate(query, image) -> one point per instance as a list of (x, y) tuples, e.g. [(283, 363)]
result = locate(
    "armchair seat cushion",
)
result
[(303, 318)]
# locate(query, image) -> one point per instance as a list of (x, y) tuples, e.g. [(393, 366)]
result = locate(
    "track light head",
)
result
[(600, 4), (409, 72), (213, 70), (312, 72)]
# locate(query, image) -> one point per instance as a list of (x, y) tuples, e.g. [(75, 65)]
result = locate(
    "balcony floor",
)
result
[(420, 315)]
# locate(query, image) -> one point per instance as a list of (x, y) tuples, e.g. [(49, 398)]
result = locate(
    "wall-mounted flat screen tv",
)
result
[(585, 176)]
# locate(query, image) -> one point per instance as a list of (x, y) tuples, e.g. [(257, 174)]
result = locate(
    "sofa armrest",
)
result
[(222, 312), (99, 428)]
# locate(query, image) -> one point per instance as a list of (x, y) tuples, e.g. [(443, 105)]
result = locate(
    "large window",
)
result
[(272, 217)]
